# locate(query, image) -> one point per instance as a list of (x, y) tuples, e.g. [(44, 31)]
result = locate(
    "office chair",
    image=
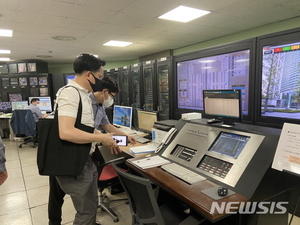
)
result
[(23, 124), (107, 178), (143, 203)]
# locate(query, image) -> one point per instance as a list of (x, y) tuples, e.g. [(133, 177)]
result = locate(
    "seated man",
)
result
[(37, 114)]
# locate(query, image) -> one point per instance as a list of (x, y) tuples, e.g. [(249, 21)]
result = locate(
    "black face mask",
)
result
[(97, 86)]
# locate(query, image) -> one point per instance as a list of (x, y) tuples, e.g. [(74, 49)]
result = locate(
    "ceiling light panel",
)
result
[(6, 33), (4, 51), (4, 59), (183, 14), (117, 43)]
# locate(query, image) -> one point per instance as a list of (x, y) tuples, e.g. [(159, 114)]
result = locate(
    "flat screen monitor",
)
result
[(43, 81), (33, 81), (68, 78), (5, 82), (146, 120), (219, 71), (19, 105), (122, 116), (22, 81), (45, 103), (280, 91), (15, 97), (223, 104), (13, 81), (5, 107), (229, 144)]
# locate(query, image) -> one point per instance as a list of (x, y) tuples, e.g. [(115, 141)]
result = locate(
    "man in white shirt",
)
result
[(83, 189)]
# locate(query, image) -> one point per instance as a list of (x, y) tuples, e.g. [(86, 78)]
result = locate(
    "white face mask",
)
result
[(107, 103)]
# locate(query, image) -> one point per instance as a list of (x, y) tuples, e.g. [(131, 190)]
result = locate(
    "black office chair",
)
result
[(24, 125), (108, 178), (143, 203)]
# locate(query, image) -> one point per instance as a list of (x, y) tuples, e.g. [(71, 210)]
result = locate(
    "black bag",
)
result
[(56, 157)]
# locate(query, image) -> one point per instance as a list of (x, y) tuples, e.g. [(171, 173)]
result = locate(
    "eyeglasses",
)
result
[(99, 78), (113, 96)]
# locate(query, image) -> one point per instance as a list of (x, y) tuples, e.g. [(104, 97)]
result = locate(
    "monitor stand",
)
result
[(214, 120), (228, 122)]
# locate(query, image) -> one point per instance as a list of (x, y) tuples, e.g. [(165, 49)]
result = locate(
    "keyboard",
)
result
[(183, 173), (126, 130), (141, 139)]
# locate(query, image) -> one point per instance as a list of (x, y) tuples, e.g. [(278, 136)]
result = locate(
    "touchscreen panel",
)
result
[(229, 144)]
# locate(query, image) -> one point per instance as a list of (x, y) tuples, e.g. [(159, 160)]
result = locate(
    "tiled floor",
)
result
[(24, 196)]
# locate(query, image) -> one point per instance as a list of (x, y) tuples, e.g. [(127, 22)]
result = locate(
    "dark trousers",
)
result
[(56, 200)]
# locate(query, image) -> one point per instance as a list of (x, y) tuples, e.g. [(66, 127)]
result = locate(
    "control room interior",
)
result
[(167, 74)]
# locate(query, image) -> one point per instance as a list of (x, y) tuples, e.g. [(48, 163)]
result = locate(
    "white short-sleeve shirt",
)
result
[(68, 102)]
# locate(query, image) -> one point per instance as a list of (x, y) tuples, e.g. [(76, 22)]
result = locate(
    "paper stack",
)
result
[(149, 162), (143, 149)]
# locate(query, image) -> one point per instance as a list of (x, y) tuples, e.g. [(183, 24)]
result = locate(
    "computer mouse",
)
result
[(222, 191)]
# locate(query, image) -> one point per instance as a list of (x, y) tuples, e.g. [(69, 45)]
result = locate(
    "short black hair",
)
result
[(111, 84), (87, 62), (34, 100)]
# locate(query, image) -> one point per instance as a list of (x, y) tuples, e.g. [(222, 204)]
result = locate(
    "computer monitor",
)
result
[(14, 97), (223, 104), (45, 103), (5, 107), (122, 116), (146, 120), (68, 78), (19, 105)]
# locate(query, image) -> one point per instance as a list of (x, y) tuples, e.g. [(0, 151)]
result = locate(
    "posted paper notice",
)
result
[(287, 156)]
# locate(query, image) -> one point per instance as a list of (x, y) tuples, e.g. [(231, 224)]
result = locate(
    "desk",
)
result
[(190, 194)]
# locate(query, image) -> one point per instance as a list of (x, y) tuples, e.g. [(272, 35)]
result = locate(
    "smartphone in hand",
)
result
[(121, 140)]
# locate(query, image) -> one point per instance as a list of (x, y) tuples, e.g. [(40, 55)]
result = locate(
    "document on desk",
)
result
[(149, 162), (143, 149)]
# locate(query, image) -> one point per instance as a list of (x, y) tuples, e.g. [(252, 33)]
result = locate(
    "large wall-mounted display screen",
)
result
[(280, 92), (224, 71)]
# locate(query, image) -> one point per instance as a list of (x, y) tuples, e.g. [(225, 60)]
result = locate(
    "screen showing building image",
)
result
[(45, 103), (122, 116), (280, 96), (224, 71)]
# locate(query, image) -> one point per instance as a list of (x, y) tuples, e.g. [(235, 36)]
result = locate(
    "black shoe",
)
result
[(97, 224)]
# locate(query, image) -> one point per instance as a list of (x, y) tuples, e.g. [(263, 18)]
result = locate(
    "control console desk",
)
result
[(237, 158)]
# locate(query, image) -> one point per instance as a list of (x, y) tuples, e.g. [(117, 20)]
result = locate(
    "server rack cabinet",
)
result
[(124, 85), (115, 73), (149, 87), (164, 81), (135, 88)]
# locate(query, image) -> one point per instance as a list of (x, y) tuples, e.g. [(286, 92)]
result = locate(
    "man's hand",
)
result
[(131, 139), (109, 142)]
